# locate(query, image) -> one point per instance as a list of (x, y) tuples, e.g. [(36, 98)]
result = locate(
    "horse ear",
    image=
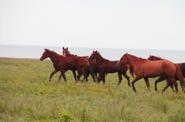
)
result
[(67, 48), (63, 48)]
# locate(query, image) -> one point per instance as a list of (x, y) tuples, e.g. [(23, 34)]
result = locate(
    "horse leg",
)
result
[(95, 74), (176, 86), (170, 83), (74, 74), (161, 78), (60, 77), (79, 75), (85, 74), (127, 77), (92, 75), (120, 78), (167, 85), (135, 79), (63, 75), (147, 82), (51, 75), (100, 77), (103, 78), (173, 83)]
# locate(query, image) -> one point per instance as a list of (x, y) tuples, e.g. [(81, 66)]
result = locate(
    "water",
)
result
[(112, 54)]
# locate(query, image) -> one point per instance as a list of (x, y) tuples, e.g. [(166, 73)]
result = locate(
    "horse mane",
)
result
[(156, 57), (138, 58), (70, 54), (102, 58), (53, 52)]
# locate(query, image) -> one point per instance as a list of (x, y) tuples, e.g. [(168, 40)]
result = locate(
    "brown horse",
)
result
[(144, 68), (66, 52), (89, 70), (162, 77), (105, 66), (62, 63)]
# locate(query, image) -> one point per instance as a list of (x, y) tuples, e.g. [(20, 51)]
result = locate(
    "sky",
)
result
[(133, 24)]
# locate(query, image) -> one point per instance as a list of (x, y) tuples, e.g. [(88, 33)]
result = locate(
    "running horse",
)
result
[(62, 64), (66, 52), (144, 68), (90, 70), (105, 66), (162, 77)]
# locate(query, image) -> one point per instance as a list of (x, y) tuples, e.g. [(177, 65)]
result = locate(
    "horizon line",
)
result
[(34, 45)]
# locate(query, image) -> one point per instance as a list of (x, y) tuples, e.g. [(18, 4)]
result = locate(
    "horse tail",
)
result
[(180, 76)]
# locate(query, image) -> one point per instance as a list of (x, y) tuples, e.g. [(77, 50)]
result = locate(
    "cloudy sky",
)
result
[(134, 24)]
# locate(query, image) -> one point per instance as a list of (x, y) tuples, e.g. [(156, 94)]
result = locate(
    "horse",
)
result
[(144, 68), (162, 77), (105, 66), (89, 70), (62, 64), (66, 52)]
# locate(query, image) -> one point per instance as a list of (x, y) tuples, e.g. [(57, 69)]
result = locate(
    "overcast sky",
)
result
[(151, 24)]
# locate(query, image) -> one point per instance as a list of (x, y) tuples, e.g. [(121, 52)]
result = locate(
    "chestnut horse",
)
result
[(89, 70), (66, 52), (105, 66), (162, 77), (62, 64), (144, 68)]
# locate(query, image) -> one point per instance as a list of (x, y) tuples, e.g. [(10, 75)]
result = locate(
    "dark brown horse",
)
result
[(105, 66), (62, 63), (162, 77), (89, 70), (66, 52), (144, 68)]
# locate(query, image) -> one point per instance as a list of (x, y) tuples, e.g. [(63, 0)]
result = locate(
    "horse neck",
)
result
[(54, 57), (101, 59), (135, 61)]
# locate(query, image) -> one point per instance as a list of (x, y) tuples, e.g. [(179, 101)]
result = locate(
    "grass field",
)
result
[(26, 95)]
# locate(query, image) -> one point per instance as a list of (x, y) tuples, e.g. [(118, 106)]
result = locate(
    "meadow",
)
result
[(27, 95)]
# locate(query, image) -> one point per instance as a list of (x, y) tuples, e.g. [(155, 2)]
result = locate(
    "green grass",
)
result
[(26, 95)]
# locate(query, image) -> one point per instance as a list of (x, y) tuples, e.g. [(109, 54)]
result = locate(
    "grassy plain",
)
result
[(26, 95)]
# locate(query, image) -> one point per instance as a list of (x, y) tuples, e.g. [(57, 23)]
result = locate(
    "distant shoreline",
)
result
[(35, 52), (18, 58)]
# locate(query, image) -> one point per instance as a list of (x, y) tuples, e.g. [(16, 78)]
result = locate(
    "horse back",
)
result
[(109, 66), (156, 68)]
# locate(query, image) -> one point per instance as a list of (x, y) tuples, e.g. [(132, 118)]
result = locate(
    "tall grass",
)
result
[(27, 95)]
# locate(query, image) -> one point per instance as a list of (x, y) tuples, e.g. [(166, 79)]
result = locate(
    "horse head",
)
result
[(95, 56), (65, 51), (45, 54)]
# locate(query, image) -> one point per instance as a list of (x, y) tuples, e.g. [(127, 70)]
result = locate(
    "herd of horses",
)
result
[(97, 67)]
